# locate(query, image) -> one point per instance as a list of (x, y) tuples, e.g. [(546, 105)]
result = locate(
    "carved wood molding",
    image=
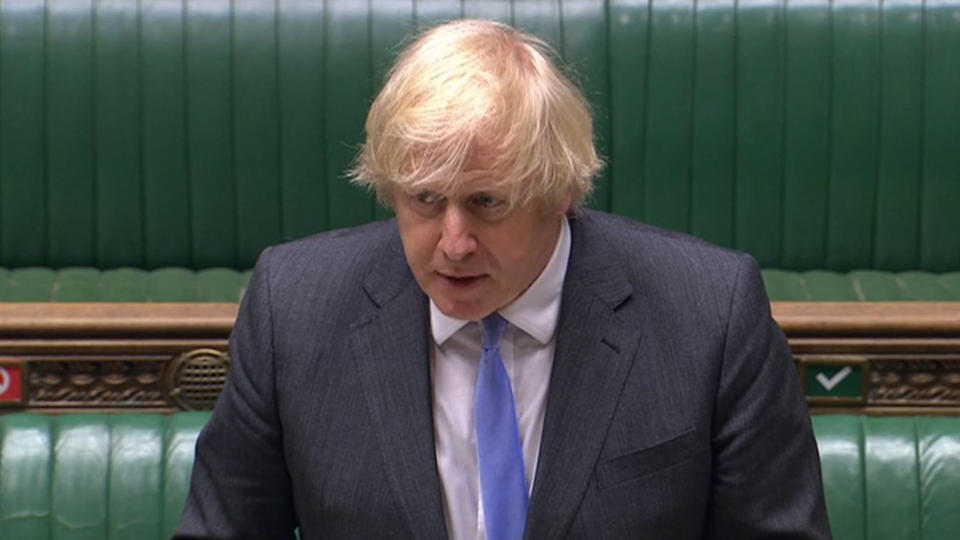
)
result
[(874, 358), (108, 356)]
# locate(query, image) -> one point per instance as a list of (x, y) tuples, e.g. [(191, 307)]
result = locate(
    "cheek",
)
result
[(508, 252), (527, 250), (418, 243)]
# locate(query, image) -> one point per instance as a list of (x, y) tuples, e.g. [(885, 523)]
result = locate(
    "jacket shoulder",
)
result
[(341, 245), (330, 266), (658, 250)]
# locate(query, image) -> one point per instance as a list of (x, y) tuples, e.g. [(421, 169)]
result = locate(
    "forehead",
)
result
[(469, 182)]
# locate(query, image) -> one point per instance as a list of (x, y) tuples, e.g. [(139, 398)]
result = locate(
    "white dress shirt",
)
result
[(527, 349)]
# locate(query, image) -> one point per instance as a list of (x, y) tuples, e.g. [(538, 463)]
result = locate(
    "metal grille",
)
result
[(198, 378)]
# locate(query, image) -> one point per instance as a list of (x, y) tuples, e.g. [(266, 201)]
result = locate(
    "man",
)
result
[(624, 381)]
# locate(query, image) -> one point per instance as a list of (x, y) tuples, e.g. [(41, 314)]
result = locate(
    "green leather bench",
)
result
[(227, 285), (137, 136), (95, 476), (149, 150), (891, 477), (126, 476), (37, 284)]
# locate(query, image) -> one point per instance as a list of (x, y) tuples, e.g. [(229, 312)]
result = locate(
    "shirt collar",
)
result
[(536, 311)]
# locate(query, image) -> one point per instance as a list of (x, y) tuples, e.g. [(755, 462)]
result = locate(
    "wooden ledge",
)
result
[(852, 319), (93, 319), (860, 358), (106, 319)]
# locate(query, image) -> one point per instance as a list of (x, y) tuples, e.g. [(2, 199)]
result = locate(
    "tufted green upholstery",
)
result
[(126, 475), (862, 285), (891, 478), (816, 135), (226, 285), (95, 476), (122, 285)]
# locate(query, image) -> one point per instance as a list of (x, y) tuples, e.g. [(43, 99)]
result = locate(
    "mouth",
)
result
[(460, 281)]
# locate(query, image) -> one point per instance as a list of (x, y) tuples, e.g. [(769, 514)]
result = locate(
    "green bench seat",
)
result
[(226, 285), (891, 478), (126, 476), (93, 477)]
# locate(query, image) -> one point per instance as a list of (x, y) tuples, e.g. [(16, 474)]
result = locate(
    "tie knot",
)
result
[(493, 327)]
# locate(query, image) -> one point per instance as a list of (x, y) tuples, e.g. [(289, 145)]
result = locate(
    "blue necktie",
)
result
[(503, 485)]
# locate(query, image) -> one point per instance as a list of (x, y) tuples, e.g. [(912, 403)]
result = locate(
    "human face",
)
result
[(470, 252)]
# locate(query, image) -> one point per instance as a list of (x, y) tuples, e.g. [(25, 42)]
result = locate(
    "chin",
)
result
[(464, 314), (463, 311)]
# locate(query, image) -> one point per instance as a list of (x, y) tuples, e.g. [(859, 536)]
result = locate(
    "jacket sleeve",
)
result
[(766, 468), (240, 487)]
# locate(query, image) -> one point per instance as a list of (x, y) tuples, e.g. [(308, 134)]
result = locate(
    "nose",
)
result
[(457, 241)]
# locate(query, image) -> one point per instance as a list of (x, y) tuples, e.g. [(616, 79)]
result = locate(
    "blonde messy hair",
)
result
[(474, 94)]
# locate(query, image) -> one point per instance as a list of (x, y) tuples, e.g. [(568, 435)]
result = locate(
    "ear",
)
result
[(563, 205)]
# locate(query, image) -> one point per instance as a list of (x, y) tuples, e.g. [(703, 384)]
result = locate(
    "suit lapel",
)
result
[(594, 353), (390, 343)]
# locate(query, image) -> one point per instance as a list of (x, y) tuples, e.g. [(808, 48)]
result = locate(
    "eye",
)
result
[(428, 197), (487, 202)]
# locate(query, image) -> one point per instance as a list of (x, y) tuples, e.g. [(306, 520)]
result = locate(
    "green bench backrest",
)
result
[(126, 476), (812, 134)]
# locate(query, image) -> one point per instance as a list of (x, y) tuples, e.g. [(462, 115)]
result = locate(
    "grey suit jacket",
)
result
[(674, 410)]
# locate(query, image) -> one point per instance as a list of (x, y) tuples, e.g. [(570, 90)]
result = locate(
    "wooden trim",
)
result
[(798, 319), (113, 356), (125, 345), (892, 319), (159, 351), (106, 319), (879, 345)]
